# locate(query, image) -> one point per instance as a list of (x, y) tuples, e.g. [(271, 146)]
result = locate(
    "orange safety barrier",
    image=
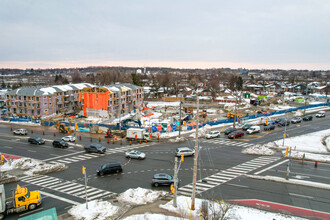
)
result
[(108, 141), (121, 142), (95, 101), (99, 139), (91, 139)]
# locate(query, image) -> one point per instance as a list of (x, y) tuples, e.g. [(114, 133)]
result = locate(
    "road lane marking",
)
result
[(231, 184), (303, 196), (59, 198), (268, 168), (63, 156)]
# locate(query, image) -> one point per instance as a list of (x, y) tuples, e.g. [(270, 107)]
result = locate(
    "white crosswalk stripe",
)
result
[(84, 156), (226, 142), (67, 187), (224, 176)]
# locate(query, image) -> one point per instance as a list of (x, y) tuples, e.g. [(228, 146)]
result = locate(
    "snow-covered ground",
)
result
[(311, 142), (140, 196), (20, 123), (259, 150), (162, 104), (32, 166), (216, 209), (100, 210), (97, 210)]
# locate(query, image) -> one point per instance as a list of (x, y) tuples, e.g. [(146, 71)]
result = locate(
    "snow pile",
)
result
[(202, 131), (162, 104), (311, 142), (149, 216), (309, 156), (97, 210), (140, 196), (258, 150), (215, 210), (177, 139), (299, 113), (327, 143), (33, 166)]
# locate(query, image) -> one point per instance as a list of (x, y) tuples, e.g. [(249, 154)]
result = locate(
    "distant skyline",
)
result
[(253, 34)]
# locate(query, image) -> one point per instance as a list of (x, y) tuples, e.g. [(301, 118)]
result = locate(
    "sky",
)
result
[(263, 34)]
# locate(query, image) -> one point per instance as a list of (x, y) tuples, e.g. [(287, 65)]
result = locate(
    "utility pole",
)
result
[(180, 120), (176, 172), (235, 116), (284, 135), (84, 173), (195, 161), (306, 99)]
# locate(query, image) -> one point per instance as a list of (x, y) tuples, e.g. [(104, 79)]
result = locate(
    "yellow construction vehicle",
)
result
[(65, 129), (232, 115), (22, 200)]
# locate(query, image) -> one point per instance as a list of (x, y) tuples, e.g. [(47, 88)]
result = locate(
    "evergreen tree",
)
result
[(136, 80)]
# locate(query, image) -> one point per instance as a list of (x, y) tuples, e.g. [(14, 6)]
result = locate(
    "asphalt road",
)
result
[(221, 167)]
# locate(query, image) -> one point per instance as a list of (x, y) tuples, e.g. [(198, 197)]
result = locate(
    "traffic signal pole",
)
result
[(195, 161)]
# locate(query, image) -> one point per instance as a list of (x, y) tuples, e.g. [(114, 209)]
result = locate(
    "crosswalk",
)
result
[(67, 187), (224, 176), (226, 142), (86, 156)]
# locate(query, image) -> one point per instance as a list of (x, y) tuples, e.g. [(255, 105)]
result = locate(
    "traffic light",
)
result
[(2, 159), (182, 157), (83, 170), (287, 151), (266, 122), (172, 188)]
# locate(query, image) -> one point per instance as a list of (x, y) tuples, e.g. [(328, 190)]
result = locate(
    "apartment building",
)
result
[(111, 99), (39, 101)]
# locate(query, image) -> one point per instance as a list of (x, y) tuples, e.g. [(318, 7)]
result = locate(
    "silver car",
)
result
[(185, 151), (212, 134), (135, 154), (69, 138)]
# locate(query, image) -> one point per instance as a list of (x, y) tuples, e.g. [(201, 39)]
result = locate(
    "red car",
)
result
[(236, 134)]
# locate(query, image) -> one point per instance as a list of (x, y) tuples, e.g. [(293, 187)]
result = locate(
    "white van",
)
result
[(320, 114), (253, 129)]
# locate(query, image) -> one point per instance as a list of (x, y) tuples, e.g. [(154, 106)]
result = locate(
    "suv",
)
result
[(253, 129), (114, 167), (20, 132), (162, 179), (308, 117), (212, 134), (296, 120), (229, 130), (269, 127), (60, 144), (36, 140), (320, 114), (185, 151), (95, 148), (235, 134)]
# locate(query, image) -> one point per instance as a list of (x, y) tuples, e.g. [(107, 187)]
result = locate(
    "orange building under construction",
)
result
[(112, 100)]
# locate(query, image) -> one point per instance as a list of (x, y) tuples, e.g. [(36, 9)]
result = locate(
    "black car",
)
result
[(162, 179), (279, 119), (269, 127), (36, 140), (308, 117), (113, 167), (283, 123), (95, 148), (229, 130), (60, 144), (246, 126)]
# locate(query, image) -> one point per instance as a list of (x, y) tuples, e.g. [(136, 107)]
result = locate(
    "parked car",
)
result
[(279, 119), (113, 167), (246, 126), (36, 140), (283, 123), (162, 179), (186, 151), (253, 129), (236, 134), (135, 154), (269, 127), (60, 144), (229, 130), (212, 134), (95, 148), (296, 120), (308, 117), (320, 114), (20, 131), (69, 138)]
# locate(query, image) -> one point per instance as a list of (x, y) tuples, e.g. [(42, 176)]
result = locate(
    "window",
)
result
[(46, 110), (37, 99)]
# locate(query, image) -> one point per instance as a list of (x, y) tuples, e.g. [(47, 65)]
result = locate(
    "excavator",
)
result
[(65, 129), (232, 115)]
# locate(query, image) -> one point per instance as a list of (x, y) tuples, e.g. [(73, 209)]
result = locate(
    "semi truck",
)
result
[(137, 134), (22, 200)]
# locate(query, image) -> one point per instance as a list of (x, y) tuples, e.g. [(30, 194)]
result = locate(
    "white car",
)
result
[(135, 154), (69, 138), (253, 129), (320, 114), (185, 151), (20, 132), (212, 134)]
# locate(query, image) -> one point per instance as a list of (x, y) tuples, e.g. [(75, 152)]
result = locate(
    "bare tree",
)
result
[(76, 77)]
